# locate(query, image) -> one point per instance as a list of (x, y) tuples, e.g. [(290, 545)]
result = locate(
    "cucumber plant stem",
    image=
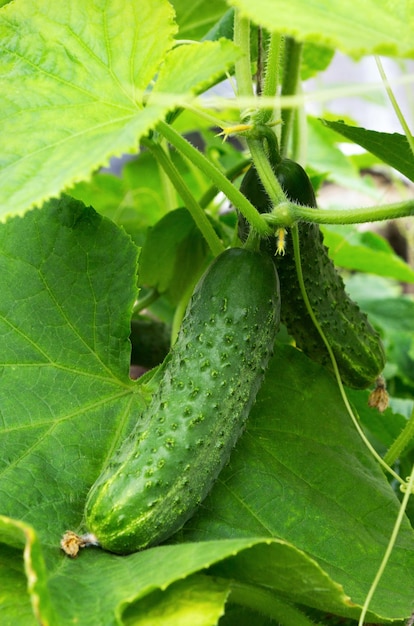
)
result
[(294, 212), (395, 104), (243, 65), (169, 191), (198, 215), (230, 174), (217, 177), (265, 172), (291, 73), (389, 549), (244, 81), (271, 78), (145, 301), (402, 441)]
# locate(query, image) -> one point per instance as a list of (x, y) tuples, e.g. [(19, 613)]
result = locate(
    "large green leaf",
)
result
[(74, 84), (382, 27), (64, 326), (301, 510)]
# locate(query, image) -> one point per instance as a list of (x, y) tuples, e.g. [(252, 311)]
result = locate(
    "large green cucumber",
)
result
[(357, 347), (208, 384)]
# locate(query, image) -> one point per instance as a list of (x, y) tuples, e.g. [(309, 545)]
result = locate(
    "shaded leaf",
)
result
[(325, 156), (302, 473), (173, 255), (196, 601), (18, 534), (392, 148)]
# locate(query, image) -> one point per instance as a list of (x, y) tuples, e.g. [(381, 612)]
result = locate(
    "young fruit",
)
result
[(357, 347), (208, 384)]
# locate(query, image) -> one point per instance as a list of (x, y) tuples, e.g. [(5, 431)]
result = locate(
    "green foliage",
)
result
[(381, 28), (392, 149), (294, 530), (87, 87)]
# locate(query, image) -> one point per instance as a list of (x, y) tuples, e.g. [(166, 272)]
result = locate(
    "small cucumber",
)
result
[(357, 347), (208, 384)]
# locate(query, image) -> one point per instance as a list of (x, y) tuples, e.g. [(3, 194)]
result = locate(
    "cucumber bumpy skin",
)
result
[(357, 347), (168, 464)]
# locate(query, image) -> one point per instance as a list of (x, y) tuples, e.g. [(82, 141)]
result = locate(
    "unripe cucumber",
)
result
[(209, 382), (357, 347)]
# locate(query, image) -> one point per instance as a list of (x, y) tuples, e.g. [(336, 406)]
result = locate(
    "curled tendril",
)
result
[(404, 486)]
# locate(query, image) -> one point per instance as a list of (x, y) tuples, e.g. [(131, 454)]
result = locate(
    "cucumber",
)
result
[(184, 437), (357, 347)]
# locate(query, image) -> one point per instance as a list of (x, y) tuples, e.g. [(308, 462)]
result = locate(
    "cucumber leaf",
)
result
[(87, 69), (196, 18), (325, 156), (392, 148), (301, 473), (382, 27)]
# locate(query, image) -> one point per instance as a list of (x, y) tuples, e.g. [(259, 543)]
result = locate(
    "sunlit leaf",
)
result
[(382, 27), (74, 84)]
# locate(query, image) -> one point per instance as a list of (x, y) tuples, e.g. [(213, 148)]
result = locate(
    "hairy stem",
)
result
[(230, 174), (265, 172), (198, 215), (243, 65), (390, 546), (291, 73), (271, 78), (402, 441), (289, 213), (217, 177), (395, 105)]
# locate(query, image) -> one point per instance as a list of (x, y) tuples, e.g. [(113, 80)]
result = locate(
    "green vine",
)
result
[(291, 74), (198, 215), (217, 177), (290, 213), (400, 444)]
